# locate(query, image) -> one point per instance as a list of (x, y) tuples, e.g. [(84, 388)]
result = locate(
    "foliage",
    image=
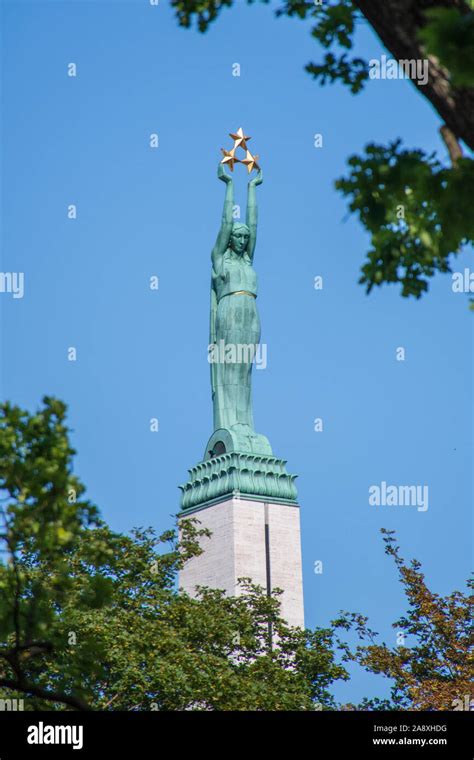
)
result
[(91, 619), (449, 35), (159, 650), (42, 515), (416, 210), (433, 670)]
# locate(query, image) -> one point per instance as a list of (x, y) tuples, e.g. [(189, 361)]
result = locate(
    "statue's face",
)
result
[(239, 240)]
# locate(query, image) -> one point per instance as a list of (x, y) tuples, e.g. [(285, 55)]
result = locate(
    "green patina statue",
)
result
[(237, 461), (234, 327)]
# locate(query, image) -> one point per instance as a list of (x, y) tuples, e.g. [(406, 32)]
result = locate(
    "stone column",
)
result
[(250, 538)]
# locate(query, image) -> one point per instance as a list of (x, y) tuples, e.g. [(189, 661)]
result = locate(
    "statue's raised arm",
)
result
[(252, 213), (222, 242)]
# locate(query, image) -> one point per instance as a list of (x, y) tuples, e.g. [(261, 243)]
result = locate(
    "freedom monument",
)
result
[(240, 490)]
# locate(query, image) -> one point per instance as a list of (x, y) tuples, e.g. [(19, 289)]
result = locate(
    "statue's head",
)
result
[(239, 238)]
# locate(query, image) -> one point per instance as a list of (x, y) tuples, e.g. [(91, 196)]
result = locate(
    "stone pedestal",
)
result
[(251, 537)]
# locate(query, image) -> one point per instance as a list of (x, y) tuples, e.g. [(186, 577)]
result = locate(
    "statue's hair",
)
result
[(240, 225)]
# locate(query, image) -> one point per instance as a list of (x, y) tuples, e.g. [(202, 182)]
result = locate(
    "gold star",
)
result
[(229, 158), (240, 139), (250, 161)]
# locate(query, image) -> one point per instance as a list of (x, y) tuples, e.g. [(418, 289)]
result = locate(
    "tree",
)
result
[(91, 619), (416, 209), (433, 671), (41, 516)]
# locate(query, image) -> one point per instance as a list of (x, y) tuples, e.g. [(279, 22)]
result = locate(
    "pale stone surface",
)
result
[(237, 549), (285, 560)]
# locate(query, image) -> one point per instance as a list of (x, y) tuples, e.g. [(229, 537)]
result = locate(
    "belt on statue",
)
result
[(240, 293)]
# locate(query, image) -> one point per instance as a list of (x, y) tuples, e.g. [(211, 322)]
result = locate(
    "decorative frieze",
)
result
[(248, 475)]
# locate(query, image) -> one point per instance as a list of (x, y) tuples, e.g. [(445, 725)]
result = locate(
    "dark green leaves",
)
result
[(204, 12), (449, 35), (351, 72), (417, 212)]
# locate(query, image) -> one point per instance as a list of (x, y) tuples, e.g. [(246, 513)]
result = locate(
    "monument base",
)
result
[(253, 539), (239, 438)]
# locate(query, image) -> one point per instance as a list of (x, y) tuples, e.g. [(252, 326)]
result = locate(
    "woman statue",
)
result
[(234, 327)]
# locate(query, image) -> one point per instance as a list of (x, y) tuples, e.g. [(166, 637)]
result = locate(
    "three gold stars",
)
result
[(240, 141)]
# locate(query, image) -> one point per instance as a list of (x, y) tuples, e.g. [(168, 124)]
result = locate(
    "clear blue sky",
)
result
[(143, 354)]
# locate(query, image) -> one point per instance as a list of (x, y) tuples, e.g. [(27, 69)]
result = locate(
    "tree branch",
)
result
[(397, 23), (454, 149), (51, 696)]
